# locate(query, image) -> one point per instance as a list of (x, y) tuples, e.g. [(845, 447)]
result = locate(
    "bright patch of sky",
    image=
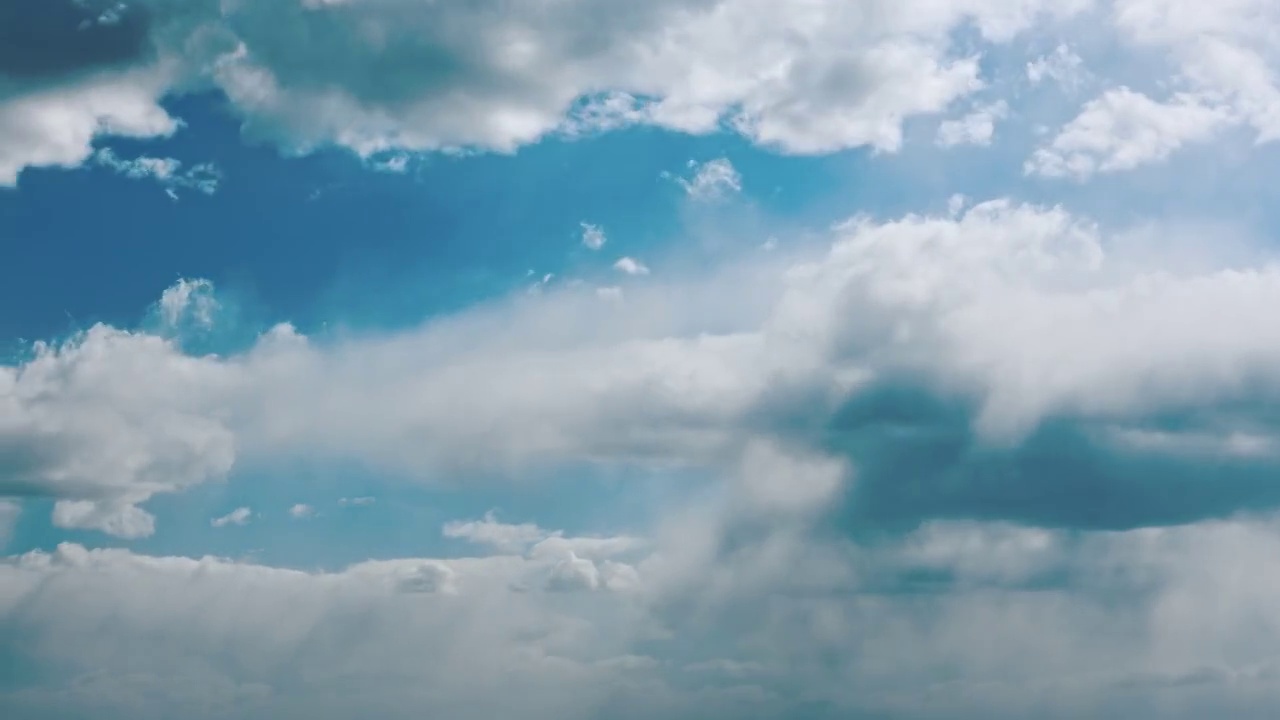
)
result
[(675, 359)]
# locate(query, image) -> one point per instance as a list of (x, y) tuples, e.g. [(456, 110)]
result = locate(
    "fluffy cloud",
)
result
[(711, 180), (239, 516), (631, 266), (593, 237), (1123, 129), (996, 356), (968, 465), (1222, 50), (1221, 65), (976, 128), (956, 620), (391, 76), (500, 536), (1062, 65)]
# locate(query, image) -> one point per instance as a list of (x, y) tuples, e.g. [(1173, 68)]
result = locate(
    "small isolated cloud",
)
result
[(593, 237), (393, 162), (503, 537), (1123, 129), (167, 172), (357, 501), (239, 516), (712, 180), (188, 301), (631, 266), (611, 292), (976, 128), (302, 510), (1062, 66)]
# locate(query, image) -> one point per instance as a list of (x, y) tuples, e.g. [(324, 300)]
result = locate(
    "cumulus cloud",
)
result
[(1062, 66), (1123, 129), (711, 180), (188, 302), (300, 511), (976, 128), (941, 449), (399, 76), (1222, 50), (239, 516), (1219, 59), (502, 537), (631, 266), (1009, 616), (966, 350), (593, 237)]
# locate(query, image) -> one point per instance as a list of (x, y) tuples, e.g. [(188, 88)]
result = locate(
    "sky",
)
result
[(597, 360)]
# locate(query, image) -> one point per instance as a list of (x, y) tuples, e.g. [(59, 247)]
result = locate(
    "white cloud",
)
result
[(1120, 623), (56, 126), (357, 501), (167, 172), (188, 301), (976, 128), (239, 516), (1026, 315), (301, 510), (631, 266), (1063, 66), (712, 180), (593, 237), (1122, 129), (609, 292), (502, 537), (1222, 50), (822, 79)]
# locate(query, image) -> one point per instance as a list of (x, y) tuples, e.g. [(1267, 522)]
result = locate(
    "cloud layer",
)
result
[(395, 75), (1010, 352)]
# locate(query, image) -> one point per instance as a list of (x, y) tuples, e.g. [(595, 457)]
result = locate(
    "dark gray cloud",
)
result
[(44, 40), (919, 458)]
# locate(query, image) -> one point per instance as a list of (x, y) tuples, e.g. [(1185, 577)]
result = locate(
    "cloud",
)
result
[(1220, 50), (593, 237), (301, 510), (165, 171), (631, 266), (357, 501), (1062, 66), (395, 76), (101, 447), (976, 128), (188, 302), (9, 512), (55, 126), (712, 180), (239, 516), (502, 537), (1016, 361), (955, 620), (1122, 129)]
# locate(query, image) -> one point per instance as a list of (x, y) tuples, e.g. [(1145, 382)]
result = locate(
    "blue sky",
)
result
[(588, 360)]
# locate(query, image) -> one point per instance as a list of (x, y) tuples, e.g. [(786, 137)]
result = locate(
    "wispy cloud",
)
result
[(239, 516), (167, 172)]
